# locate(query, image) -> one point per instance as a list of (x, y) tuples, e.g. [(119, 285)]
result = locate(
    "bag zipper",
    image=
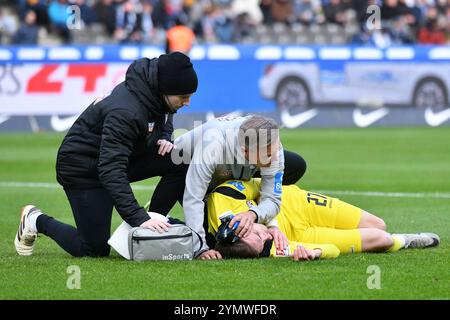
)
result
[(162, 237)]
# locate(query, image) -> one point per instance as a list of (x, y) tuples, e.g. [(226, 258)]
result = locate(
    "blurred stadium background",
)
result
[(323, 68), (227, 21), (279, 57)]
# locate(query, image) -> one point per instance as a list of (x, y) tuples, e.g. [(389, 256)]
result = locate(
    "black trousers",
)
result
[(92, 208)]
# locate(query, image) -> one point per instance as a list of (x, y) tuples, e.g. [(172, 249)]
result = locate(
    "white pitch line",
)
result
[(435, 195), (46, 185)]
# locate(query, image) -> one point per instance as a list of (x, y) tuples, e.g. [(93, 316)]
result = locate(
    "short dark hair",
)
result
[(264, 130), (236, 250)]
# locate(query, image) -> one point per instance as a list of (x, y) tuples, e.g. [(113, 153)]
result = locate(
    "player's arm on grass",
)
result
[(303, 254), (120, 130), (312, 251)]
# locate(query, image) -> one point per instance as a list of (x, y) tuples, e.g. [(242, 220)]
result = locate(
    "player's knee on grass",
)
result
[(369, 220), (97, 250), (375, 240)]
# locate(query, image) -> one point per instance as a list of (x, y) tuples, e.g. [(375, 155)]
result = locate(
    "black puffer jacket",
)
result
[(97, 149)]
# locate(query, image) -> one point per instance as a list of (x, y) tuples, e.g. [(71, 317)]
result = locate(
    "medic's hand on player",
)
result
[(156, 225), (302, 254), (165, 146), (246, 220), (279, 238)]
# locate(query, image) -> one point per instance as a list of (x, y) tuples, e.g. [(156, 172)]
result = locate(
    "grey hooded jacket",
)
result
[(214, 155)]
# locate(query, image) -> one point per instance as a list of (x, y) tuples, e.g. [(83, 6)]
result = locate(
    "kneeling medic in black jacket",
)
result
[(122, 138)]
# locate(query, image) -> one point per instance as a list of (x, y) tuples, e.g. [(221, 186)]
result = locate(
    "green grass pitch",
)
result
[(413, 163)]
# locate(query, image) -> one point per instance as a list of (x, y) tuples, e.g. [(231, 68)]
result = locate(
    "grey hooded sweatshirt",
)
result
[(215, 156)]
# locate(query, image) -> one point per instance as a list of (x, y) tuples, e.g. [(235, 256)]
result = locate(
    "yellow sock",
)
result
[(399, 243)]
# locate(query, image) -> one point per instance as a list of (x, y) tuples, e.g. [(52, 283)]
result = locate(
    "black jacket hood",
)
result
[(142, 80)]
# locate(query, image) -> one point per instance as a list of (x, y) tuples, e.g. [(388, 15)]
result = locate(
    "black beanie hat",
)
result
[(176, 74)]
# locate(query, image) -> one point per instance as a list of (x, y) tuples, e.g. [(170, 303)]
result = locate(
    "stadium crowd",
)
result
[(225, 21)]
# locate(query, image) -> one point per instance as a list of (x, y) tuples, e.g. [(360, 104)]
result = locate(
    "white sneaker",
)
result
[(26, 238), (421, 240)]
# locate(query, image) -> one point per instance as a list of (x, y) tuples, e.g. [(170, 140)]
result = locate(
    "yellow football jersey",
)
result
[(305, 217)]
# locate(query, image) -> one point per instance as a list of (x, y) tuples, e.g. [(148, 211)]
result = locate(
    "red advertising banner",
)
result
[(55, 88)]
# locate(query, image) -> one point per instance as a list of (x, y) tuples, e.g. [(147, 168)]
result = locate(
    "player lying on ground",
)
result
[(307, 221), (235, 148)]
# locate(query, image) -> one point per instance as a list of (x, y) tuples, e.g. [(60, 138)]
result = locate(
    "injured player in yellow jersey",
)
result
[(309, 226)]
